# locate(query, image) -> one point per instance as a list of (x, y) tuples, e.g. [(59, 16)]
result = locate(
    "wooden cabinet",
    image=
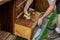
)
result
[(12, 20), (9, 11), (25, 28)]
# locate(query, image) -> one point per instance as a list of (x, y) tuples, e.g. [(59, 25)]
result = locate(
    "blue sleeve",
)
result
[(50, 1)]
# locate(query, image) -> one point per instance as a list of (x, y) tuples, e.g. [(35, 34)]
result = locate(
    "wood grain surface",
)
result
[(28, 23)]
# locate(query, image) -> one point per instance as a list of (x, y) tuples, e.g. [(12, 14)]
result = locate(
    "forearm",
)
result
[(49, 10), (28, 3)]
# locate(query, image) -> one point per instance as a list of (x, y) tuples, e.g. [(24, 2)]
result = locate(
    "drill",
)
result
[(26, 16), (30, 12)]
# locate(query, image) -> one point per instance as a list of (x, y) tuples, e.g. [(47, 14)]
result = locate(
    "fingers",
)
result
[(40, 22), (26, 12)]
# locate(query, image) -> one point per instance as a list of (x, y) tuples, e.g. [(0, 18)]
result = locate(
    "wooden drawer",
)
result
[(25, 28), (23, 31)]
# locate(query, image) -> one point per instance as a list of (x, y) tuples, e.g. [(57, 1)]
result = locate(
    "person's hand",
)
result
[(40, 21), (26, 12)]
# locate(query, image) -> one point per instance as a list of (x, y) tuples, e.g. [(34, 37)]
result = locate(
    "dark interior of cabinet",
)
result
[(5, 14)]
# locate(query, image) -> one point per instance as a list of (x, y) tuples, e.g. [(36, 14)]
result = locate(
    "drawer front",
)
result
[(23, 31)]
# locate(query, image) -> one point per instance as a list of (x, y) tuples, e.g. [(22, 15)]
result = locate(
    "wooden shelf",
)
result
[(4, 1)]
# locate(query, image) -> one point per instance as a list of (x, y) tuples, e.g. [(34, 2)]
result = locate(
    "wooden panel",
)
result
[(4, 1), (20, 9), (19, 1), (35, 16), (19, 6), (6, 16), (4, 35), (28, 23), (22, 31), (41, 5)]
